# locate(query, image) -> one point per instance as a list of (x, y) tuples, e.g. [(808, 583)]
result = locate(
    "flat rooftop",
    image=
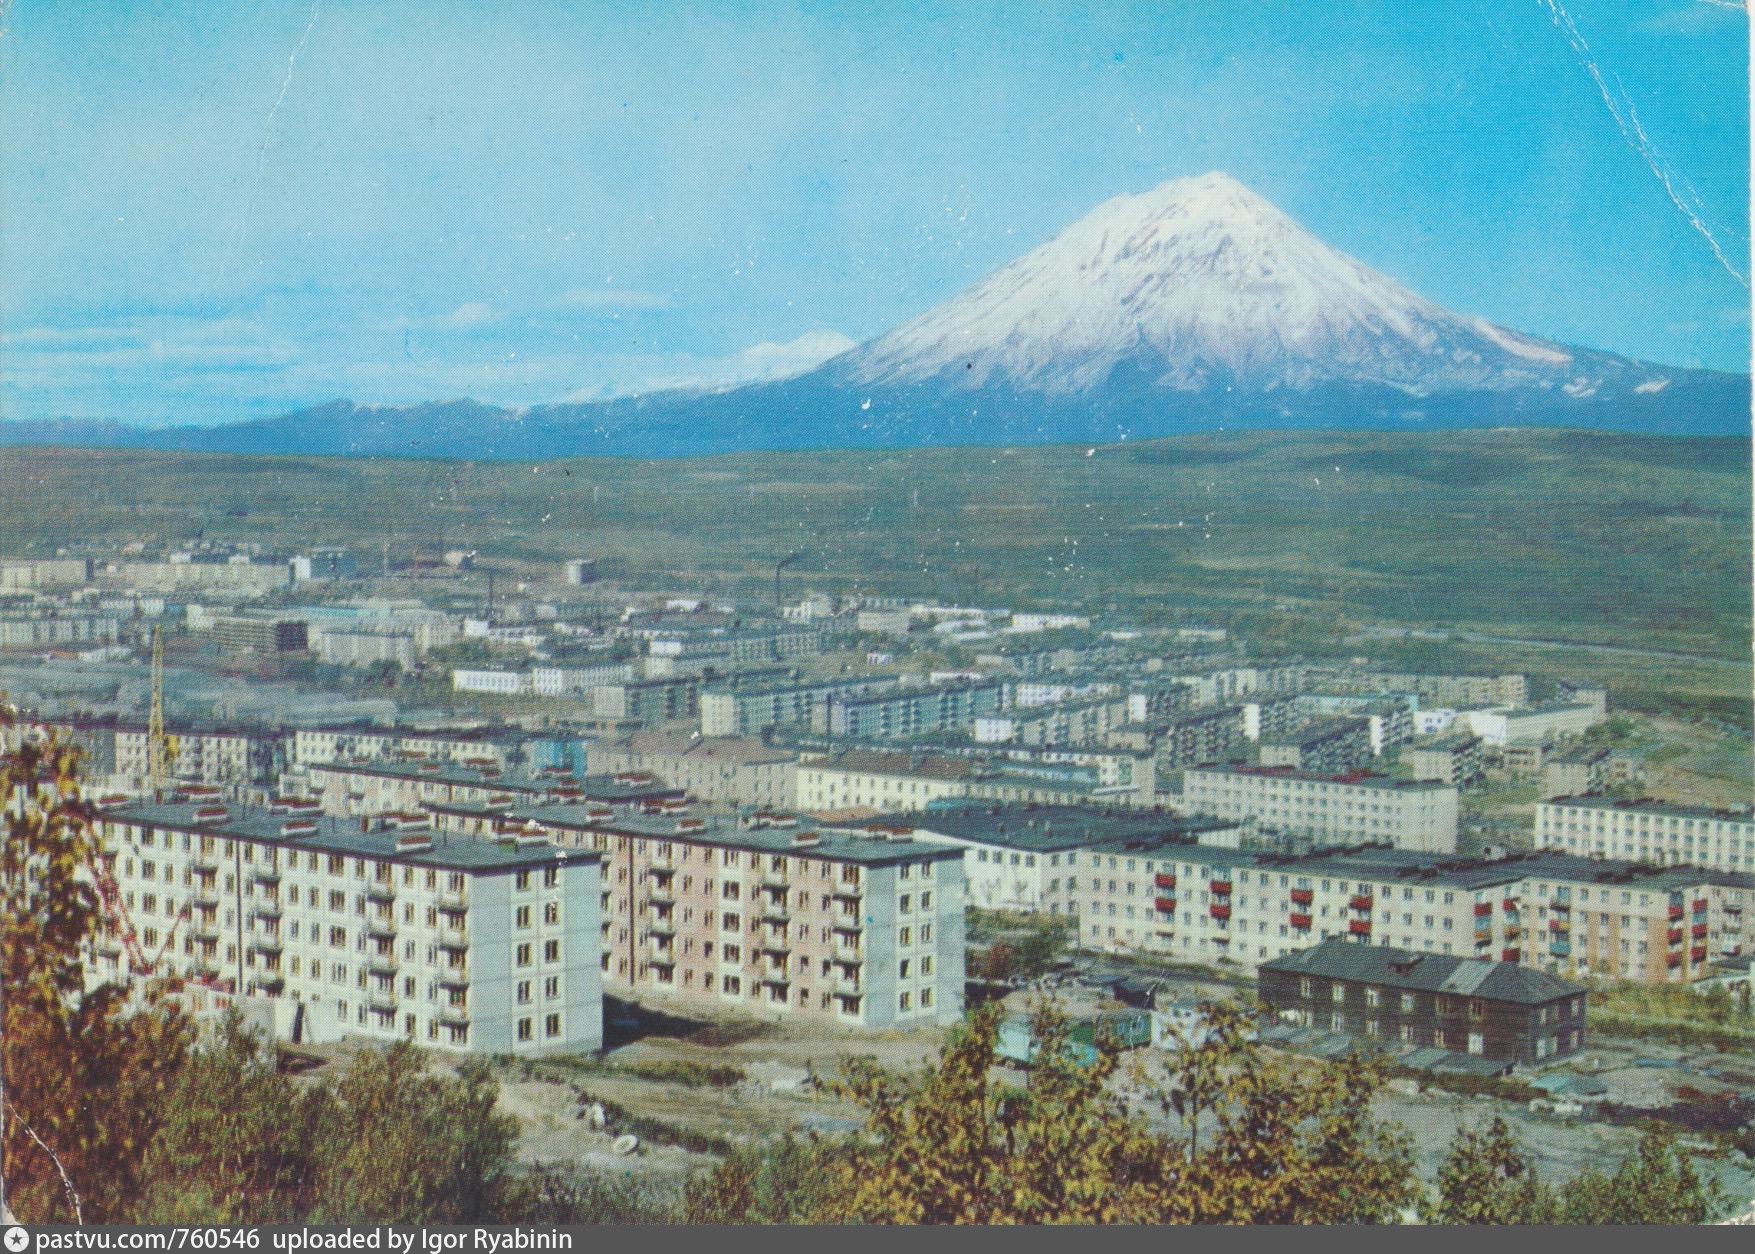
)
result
[(1650, 805), (1353, 779), (261, 826), (1046, 829)]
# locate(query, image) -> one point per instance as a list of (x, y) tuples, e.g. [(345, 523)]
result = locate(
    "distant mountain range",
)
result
[(1193, 307)]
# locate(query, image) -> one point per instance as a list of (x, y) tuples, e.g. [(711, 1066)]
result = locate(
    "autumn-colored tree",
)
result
[(785, 1181), (85, 1069), (1248, 1141), (236, 1143), (394, 1142), (1488, 1178)]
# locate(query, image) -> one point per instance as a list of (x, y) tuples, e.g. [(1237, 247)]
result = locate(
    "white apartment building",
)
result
[(1648, 831), (392, 933), (1360, 807)]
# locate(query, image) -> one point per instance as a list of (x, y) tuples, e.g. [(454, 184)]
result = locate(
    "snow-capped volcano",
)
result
[(1196, 306), (1196, 284)]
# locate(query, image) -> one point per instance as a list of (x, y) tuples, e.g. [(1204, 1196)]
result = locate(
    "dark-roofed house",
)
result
[(1409, 1000)]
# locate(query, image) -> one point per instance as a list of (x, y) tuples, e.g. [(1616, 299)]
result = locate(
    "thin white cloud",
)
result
[(610, 298)]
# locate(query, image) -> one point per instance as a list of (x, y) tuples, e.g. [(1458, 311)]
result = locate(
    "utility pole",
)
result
[(156, 744)]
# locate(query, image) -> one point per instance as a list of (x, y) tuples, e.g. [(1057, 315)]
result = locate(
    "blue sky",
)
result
[(218, 211)]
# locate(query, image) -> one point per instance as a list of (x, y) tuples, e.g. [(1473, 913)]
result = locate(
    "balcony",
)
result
[(1697, 954), (1673, 960), (663, 958), (1698, 931), (776, 979), (205, 926), (662, 926), (1675, 936), (1510, 955), (205, 896), (1483, 910), (847, 988), (453, 938), (775, 914), (849, 954), (381, 929), (1161, 880), (1559, 926), (455, 1016), (1301, 923), (1303, 897), (848, 892), (383, 966), (454, 977), (1164, 905), (381, 1003), (266, 875), (661, 895), (1221, 887), (1221, 913), (205, 863), (1361, 901), (774, 945), (1359, 927), (1560, 949), (270, 982), (776, 880), (848, 927), (1676, 914), (1700, 905), (377, 890), (266, 944), (109, 944), (265, 909), (452, 900)]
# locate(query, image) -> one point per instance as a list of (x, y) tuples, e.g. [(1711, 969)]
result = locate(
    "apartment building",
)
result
[(649, 702), (1570, 916), (1189, 738), (388, 933), (389, 787), (33, 574), (365, 646), (1648, 831), (741, 770), (1496, 1011), (874, 782), (773, 916), (907, 712), (34, 631), (1575, 774), (1010, 852), (1323, 746), (1057, 724), (205, 754), (1331, 809), (744, 709), (248, 633), (1389, 717), (1454, 760)]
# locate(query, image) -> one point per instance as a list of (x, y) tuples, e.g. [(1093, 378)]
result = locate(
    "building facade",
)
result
[(1648, 831), (1332, 809)]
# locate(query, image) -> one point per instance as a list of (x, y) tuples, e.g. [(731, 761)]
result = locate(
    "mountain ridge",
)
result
[(1196, 305)]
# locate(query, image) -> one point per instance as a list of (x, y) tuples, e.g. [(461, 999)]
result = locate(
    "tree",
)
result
[(1656, 1184), (236, 1143), (785, 1181), (1487, 1178), (396, 1143), (86, 1066)]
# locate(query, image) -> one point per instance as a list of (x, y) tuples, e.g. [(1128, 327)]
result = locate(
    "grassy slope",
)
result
[(1615, 538)]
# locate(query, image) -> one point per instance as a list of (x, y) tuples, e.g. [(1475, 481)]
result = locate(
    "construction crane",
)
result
[(157, 745)]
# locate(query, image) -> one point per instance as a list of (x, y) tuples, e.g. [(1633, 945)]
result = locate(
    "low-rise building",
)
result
[(907, 712), (1575, 773), (741, 770), (1533, 725), (387, 933), (1404, 999), (1326, 746)]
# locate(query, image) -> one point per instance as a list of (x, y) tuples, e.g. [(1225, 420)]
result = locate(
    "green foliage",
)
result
[(551, 1195), (1488, 1178), (236, 1146), (396, 1143), (786, 1181)]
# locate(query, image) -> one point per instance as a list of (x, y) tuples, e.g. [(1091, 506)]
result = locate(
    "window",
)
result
[(1338, 992), (523, 955), (551, 913), (524, 1029), (522, 917), (523, 992), (551, 951), (523, 881), (551, 1026)]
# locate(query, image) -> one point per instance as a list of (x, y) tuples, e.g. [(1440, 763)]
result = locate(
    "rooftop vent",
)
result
[(298, 827), (802, 838), (210, 814), (691, 825), (413, 842)]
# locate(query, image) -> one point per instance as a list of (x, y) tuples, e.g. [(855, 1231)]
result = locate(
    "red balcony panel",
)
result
[(1675, 913), (1483, 909), (1222, 887), (1510, 955), (1509, 905), (1221, 912), (1361, 901), (1698, 931), (1700, 905), (1697, 954), (1360, 927), (1165, 904), (1163, 880), (1301, 922), (1302, 896), (1673, 960), (1675, 936)]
